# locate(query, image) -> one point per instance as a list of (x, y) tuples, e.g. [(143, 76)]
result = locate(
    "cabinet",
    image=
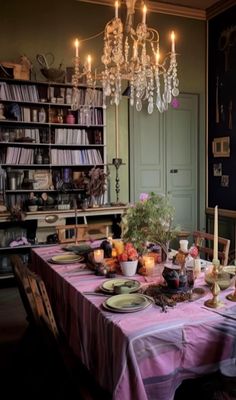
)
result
[(47, 152)]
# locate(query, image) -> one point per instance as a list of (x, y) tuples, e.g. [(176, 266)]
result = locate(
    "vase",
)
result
[(129, 268), (93, 202)]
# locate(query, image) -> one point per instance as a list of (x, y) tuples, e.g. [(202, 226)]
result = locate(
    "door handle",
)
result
[(173, 171)]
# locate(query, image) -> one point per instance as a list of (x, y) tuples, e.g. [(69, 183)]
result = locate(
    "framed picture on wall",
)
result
[(221, 147)]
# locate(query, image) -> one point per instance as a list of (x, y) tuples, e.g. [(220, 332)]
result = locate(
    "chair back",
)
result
[(82, 232), (34, 296), (42, 303), (204, 241), (20, 273)]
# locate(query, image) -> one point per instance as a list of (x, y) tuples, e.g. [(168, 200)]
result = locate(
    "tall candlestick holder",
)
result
[(213, 276), (215, 301), (117, 162)]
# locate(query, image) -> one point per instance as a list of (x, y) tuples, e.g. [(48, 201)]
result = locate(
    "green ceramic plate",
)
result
[(108, 286), (66, 258), (131, 301)]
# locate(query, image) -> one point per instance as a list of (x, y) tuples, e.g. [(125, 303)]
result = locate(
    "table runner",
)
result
[(137, 356)]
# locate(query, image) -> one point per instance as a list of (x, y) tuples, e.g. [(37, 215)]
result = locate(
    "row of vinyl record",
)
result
[(22, 155), (31, 93)]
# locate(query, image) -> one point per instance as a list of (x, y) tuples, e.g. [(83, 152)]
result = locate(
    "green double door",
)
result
[(164, 155)]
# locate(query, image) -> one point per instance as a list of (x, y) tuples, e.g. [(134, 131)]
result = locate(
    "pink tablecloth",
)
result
[(141, 355)]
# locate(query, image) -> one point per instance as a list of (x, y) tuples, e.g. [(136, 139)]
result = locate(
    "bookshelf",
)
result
[(46, 153), (46, 147)]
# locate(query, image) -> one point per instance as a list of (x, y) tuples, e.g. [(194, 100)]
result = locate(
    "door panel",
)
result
[(163, 154), (181, 132), (147, 153)]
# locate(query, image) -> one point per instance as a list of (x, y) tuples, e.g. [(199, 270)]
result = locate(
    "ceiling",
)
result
[(200, 4)]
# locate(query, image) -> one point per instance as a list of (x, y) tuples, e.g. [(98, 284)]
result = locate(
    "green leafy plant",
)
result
[(149, 220)]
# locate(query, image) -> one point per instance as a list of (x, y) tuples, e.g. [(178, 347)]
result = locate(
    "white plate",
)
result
[(66, 258), (108, 286)]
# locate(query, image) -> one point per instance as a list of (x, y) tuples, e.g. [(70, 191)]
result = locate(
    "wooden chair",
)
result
[(204, 242), (34, 296), (82, 232), (20, 273), (45, 316)]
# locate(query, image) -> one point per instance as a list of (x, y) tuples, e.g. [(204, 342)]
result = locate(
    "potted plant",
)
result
[(128, 260), (96, 186), (149, 220)]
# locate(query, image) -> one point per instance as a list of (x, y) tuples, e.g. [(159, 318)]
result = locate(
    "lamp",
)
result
[(132, 54)]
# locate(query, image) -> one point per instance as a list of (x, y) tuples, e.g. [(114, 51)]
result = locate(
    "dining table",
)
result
[(141, 355)]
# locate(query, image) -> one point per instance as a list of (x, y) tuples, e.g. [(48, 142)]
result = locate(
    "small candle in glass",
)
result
[(149, 265), (114, 253), (98, 255)]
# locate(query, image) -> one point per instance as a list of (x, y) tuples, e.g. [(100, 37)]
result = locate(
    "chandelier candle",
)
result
[(76, 48), (173, 42), (144, 14), (116, 9), (89, 62)]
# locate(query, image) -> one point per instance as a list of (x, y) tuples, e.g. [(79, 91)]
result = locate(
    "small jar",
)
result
[(70, 119), (42, 115), (5, 136)]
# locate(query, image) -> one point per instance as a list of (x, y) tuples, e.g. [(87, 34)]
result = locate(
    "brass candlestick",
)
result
[(117, 162), (232, 296), (215, 301)]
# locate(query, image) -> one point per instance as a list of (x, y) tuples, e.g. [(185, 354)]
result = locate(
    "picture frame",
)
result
[(42, 180), (221, 147), (217, 169)]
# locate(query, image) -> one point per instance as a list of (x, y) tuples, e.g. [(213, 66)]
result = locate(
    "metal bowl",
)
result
[(53, 74)]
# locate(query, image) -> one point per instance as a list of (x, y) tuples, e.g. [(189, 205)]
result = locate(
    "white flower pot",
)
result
[(129, 268)]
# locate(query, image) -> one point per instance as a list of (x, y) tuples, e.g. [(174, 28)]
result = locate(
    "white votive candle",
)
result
[(98, 255), (149, 265)]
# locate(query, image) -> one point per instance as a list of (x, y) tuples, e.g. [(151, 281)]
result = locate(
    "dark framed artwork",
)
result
[(222, 111)]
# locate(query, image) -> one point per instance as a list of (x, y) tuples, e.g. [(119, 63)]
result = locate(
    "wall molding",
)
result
[(219, 7), (162, 8)]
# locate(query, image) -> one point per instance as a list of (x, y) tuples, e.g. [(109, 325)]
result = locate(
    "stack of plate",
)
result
[(127, 303), (66, 258)]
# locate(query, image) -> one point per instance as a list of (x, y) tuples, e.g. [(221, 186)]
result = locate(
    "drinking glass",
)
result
[(190, 278)]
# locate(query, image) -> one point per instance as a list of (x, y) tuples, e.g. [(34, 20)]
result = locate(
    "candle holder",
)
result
[(117, 162), (215, 301), (232, 296)]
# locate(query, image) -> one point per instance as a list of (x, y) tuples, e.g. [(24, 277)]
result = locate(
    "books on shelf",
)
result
[(76, 157), (71, 136)]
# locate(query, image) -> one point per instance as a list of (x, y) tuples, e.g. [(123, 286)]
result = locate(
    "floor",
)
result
[(28, 368)]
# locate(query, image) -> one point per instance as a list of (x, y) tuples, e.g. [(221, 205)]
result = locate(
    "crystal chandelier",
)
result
[(133, 55)]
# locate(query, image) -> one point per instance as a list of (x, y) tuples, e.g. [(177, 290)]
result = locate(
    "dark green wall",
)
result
[(29, 27)]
